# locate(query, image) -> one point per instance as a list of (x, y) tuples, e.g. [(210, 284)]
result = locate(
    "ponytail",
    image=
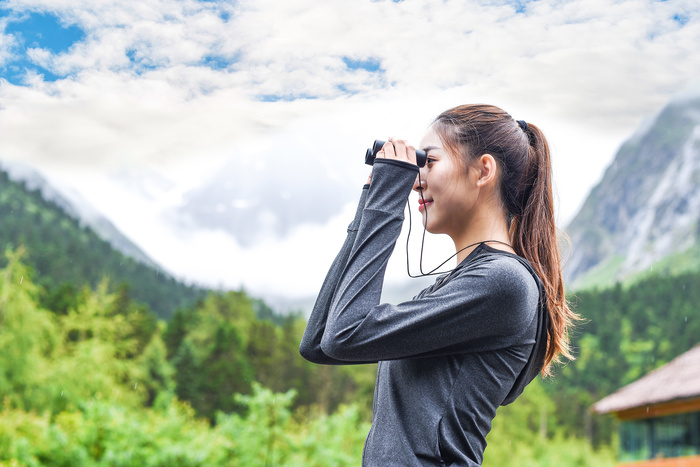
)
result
[(533, 235), (522, 153)]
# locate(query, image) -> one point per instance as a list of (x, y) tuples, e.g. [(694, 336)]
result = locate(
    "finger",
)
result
[(404, 151), (387, 151), (399, 148), (411, 154)]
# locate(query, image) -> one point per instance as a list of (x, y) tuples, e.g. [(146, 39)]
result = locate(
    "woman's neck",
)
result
[(482, 229)]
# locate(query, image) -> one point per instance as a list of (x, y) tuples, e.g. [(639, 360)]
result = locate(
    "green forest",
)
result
[(107, 383), (92, 374)]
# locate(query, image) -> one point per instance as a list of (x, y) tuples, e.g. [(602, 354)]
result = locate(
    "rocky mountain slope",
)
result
[(645, 212)]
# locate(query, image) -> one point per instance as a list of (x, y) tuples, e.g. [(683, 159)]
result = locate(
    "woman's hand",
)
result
[(399, 150), (396, 149)]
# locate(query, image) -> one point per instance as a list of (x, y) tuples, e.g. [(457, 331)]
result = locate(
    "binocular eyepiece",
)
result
[(371, 154)]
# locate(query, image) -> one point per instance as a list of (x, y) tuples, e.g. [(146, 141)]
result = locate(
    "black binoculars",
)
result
[(371, 154)]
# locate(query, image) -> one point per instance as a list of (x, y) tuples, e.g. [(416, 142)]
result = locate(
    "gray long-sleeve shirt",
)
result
[(449, 357)]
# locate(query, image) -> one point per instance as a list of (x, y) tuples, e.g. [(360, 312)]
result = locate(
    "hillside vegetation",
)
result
[(64, 256)]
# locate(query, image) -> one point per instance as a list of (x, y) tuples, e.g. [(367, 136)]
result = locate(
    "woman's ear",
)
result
[(488, 167)]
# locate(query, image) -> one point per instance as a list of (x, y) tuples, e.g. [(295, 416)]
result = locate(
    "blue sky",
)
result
[(31, 31), (149, 100)]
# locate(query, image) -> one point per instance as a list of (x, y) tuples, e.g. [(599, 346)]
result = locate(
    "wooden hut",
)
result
[(660, 415)]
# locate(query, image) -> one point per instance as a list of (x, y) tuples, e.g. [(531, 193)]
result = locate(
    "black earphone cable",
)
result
[(422, 243)]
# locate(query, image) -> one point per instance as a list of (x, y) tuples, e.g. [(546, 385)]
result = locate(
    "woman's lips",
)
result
[(423, 203)]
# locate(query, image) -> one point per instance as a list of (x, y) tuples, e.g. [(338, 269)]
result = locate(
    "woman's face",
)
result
[(449, 189)]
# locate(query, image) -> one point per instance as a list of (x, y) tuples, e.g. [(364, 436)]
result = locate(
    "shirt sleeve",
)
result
[(484, 308), (480, 308), (310, 347)]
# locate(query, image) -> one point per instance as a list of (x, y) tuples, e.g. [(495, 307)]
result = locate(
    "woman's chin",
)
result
[(432, 229)]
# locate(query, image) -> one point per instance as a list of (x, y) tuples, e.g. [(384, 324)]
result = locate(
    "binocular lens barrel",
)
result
[(371, 154)]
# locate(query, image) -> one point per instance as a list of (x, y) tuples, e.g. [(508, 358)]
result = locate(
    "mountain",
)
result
[(65, 254), (74, 205), (644, 215)]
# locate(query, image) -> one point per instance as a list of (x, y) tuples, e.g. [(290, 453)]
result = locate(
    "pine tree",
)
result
[(187, 375), (225, 372)]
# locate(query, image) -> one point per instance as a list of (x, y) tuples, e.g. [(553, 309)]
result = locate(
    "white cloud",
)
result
[(575, 59), (138, 89), (7, 44)]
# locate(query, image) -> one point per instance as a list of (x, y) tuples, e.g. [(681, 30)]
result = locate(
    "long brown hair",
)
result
[(522, 154)]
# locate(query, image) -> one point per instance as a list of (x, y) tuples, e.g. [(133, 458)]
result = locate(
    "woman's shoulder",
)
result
[(504, 271), (502, 285)]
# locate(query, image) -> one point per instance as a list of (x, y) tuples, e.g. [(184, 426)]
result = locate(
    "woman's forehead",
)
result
[(431, 139)]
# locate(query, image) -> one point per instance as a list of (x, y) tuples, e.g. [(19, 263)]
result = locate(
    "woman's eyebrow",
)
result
[(428, 148)]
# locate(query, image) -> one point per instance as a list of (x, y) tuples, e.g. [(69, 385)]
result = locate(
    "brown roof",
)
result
[(678, 379)]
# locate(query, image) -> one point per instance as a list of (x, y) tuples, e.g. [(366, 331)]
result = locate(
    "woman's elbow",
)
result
[(311, 353), (337, 349), (316, 354)]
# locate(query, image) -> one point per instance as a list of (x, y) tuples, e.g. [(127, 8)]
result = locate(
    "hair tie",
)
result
[(523, 125)]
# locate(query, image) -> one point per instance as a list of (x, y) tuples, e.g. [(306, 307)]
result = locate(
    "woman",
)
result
[(473, 340)]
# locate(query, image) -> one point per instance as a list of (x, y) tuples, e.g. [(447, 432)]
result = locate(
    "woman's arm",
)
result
[(310, 347)]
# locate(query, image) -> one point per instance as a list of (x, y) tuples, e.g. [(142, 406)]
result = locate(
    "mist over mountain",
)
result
[(644, 215), (268, 194)]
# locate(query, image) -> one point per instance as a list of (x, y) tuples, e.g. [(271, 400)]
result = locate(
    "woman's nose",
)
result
[(419, 183)]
